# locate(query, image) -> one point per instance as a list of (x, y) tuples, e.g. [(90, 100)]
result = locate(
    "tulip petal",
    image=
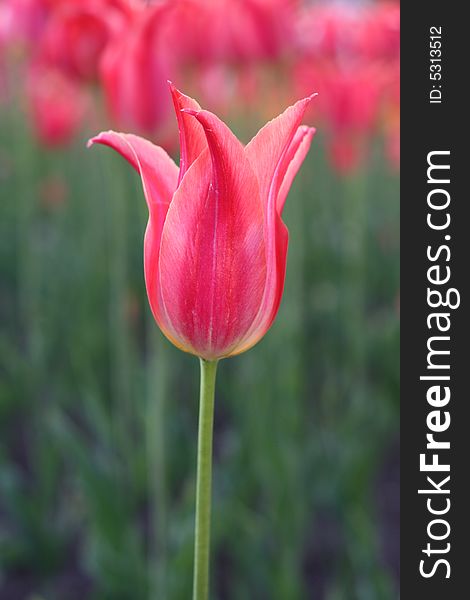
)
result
[(271, 153), (159, 176), (157, 170), (292, 161), (271, 298), (267, 149), (192, 138), (212, 257)]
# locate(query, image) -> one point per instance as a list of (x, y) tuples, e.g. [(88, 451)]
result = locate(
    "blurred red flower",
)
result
[(246, 57), (78, 32), (134, 71), (382, 34), (22, 21), (350, 54), (232, 31), (57, 103)]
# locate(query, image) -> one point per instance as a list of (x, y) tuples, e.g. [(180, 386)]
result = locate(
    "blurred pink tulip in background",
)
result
[(228, 53)]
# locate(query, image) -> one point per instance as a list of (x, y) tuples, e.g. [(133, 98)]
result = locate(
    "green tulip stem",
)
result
[(204, 481)]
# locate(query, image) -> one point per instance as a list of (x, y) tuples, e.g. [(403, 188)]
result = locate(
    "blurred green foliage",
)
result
[(98, 412)]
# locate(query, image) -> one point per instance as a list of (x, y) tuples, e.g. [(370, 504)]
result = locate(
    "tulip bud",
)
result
[(215, 247)]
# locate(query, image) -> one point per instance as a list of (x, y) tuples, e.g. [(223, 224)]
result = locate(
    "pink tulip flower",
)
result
[(215, 247)]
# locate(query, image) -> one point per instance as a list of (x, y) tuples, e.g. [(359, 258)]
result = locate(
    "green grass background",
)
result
[(98, 412)]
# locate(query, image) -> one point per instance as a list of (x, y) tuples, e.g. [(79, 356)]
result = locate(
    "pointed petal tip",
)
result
[(174, 91), (308, 99), (182, 102), (308, 131), (305, 101), (190, 111)]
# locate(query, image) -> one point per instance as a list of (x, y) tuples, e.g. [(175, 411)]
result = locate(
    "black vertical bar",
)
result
[(427, 127)]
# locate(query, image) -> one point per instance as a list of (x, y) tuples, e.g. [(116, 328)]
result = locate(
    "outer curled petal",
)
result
[(212, 258), (159, 176), (157, 170)]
